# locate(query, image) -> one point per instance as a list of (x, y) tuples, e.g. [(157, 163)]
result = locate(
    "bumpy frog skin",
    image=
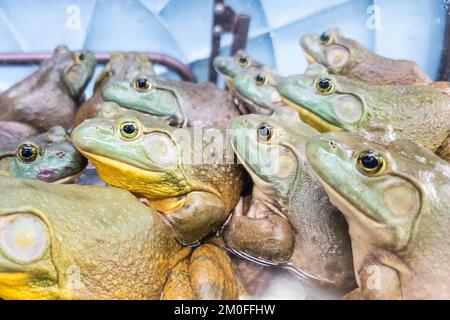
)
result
[(87, 242), (190, 174), (178, 103), (394, 195), (344, 56), (316, 243), (48, 157), (49, 96), (230, 67), (328, 103), (121, 66)]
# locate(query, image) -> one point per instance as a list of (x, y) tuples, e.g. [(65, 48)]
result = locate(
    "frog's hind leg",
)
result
[(178, 285)]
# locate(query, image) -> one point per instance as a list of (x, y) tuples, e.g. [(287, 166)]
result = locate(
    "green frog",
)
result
[(49, 96), (188, 174), (48, 157), (346, 57), (121, 66), (290, 222), (327, 102), (394, 195), (178, 103), (89, 242)]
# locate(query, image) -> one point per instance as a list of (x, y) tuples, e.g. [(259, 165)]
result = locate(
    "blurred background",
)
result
[(408, 29)]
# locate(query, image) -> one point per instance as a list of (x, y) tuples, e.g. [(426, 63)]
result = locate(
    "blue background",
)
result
[(410, 29)]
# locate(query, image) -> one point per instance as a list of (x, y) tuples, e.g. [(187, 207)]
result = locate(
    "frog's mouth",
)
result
[(146, 183), (309, 57), (253, 106), (311, 118)]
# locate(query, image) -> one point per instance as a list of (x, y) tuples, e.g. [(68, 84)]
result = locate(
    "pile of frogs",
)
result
[(340, 175)]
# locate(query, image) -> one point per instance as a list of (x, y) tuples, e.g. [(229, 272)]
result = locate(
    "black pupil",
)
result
[(370, 162), (264, 131), (324, 84), (27, 152), (243, 60), (260, 78), (324, 37), (142, 83), (81, 56), (129, 128)]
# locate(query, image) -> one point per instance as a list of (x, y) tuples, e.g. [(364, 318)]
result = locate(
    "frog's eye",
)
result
[(265, 131), (261, 79), (243, 61), (27, 152), (324, 86), (129, 129), (23, 237), (79, 58), (325, 38), (370, 162), (142, 84)]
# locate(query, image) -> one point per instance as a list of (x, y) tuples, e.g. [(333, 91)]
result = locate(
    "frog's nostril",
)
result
[(332, 144), (60, 154)]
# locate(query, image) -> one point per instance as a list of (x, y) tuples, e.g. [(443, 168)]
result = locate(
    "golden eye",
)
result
[(265, 131), (79, 58), (27, 152), (261, 79), (129, 130), (243, 61), (325, 38), (370, 162), (324, 86), (142, 84)]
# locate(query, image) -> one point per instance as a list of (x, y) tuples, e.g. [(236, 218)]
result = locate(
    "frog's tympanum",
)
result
[(124, 66), (421, 113), (48, 157), (88, 242), (290, 220), (178, 103), (394, 195), (230, 67), (49, 96), (189, 174), (344, 56)]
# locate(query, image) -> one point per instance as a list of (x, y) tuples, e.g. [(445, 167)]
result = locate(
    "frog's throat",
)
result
[(310, 118), (18, 286), (144, 183)]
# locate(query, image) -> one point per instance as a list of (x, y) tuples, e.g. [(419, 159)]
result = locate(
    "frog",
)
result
[(229, 67), (190, 175), (346, 57), (123, 66), (90, 242), (291, 222), (178, 103), (394, 195), (47, 156), (49, 96), (335, 103)]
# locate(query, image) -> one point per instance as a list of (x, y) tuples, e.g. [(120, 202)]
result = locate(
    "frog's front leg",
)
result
[(213, 276), (260, 233), (194, 215)]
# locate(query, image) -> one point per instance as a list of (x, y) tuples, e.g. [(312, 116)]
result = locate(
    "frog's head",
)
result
[(48, 157), (77, 68), (337, 53), (230, 67), (133, 151), (256, 88), (381, 185), (146, 93), (126, 65), (326, 102), (271, 148)]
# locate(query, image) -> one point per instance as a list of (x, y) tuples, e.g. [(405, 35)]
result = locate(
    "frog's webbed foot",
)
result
[(197, 215), (268, 237), (444, 150)]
